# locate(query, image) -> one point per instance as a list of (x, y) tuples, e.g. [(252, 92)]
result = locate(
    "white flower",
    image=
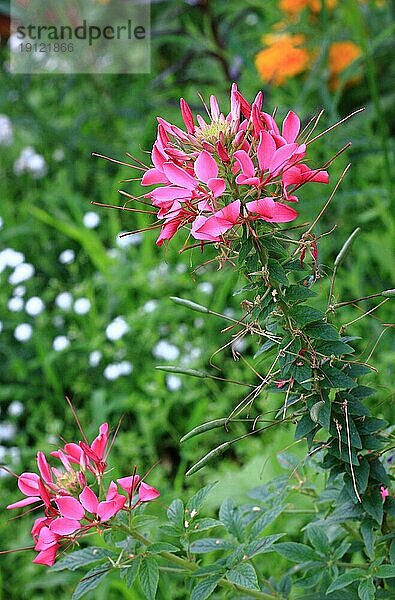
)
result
[(6, 133), (64, 300), (21, 273), (166, 350), (15, 409), (129, 240), (1, 326), (34, 306), (94, 358), (206, 287), (116, 329), (23, 332), (125, 367), (91, 220), (150, 306), (1, 222), (61, 342), (7, 431), (31, 162), (173, 383), (15, 304), (10, 258), (82, 306), (67, 257), (111, 372), (20, 290)]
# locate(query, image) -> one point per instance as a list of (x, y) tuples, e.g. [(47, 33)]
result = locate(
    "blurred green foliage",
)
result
[(196, 46)]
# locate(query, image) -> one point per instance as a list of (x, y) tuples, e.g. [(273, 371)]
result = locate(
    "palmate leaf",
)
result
[(149, 577), (296, 552), (243, 574), (197, 500), (265, 520), (230, 516), (91, 580), (80, 558), (205, 588), (129, 573), (346, 579), (176, 513)]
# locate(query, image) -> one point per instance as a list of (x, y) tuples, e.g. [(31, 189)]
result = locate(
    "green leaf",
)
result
[(294, 293), (302, 374), (230, 516), (204, 524), (243, 574), (318, 539), (149, 577), (322, 331), (392, 552), (320, 413), (90, 581), (371, 425), (197, 500), (264, 520), (304, 426), (276, 272), (362, 391), (296, 552), (362, 474), (346, 579), (367, 590), (158, 547), (356, 370), (384, 571), (265, 346), (80, 558), (373, 504), (334, 348), (176, 513), (263, 545), (205, 588), (129, 573), (304, 315), (209, 545), (335, 378), (368, 536)]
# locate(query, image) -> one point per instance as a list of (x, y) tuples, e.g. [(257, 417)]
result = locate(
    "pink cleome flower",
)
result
[(71, 508), (234, 169)]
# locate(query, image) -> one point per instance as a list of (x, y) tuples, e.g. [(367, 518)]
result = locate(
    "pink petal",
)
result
[(147, 493), (291, 127), (157, 157), (283, 213), (264, 207), (168, 230), (214, 108), (243, 180), (266, 149), (281, 156), (153, 176), (187, 116), (28, 484), (272, 212), (70, 507), (129, 483), (212, 228), (205, 167), (63, 526), (24, 502), (217, 186), (112, 491), (179, 177), (170, 193), (245, 163), (46, 539), (39, 524), (74, 452), (47, 557), (100, 442), (43, 467), (89, 500), (106, 510)]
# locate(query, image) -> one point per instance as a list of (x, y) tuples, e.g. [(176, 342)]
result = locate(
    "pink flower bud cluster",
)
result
[(231, 170), (71, 507)]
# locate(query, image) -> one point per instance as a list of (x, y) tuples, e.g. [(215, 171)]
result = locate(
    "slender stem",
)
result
[(190, 566)]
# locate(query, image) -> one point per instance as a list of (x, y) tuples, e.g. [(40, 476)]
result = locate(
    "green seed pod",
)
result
[(190, 372), (190, 304), (346, 247), (203, 427), (206, 459)]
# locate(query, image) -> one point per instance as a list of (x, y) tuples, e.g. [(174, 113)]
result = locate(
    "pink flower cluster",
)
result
[(231, 170), (71, 507)]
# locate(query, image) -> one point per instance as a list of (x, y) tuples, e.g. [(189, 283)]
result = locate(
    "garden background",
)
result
[(91, 317)]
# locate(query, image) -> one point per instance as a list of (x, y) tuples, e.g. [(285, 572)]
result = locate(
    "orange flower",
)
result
[(284, 57), (341, 55), (294, 7)]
